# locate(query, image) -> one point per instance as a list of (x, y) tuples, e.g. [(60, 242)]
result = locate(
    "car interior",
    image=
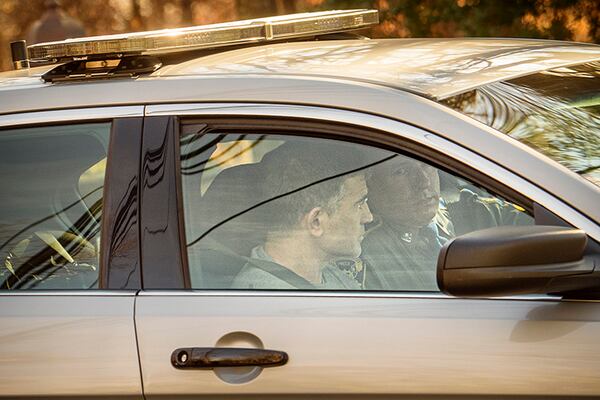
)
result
[(222, 176), (49, 229)]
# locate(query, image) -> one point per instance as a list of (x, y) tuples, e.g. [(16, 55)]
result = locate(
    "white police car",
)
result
[(181, 209)]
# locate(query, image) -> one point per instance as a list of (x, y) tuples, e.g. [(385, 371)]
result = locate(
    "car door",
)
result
[(210, 180), (68, 241)]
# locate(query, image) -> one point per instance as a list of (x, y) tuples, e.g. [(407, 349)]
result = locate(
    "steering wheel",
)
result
[(47, 259)]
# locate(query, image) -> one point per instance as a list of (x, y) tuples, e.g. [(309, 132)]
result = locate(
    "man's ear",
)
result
[(314, 220)]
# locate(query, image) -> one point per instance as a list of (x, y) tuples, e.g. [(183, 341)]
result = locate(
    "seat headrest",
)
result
[(234, 190)]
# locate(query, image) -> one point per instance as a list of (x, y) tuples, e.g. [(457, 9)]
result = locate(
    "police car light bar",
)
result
[(204, 36)]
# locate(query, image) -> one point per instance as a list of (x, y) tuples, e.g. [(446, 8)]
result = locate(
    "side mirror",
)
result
[(511, 260)]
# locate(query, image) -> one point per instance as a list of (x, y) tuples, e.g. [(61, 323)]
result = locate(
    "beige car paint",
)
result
[(80, 344), (437, 68), (377, 345)]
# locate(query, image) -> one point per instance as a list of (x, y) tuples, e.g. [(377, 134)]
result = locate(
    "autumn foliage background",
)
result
[(577, 20)]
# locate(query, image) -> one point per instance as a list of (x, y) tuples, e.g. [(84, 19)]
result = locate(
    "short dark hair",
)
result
[(306, 173)]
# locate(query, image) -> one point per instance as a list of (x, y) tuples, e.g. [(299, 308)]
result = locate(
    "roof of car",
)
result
[(436, 68)]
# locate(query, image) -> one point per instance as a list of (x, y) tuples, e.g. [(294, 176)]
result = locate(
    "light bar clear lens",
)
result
[(207, 36)]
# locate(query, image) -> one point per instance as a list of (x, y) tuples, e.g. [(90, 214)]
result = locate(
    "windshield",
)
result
[(556, 112)]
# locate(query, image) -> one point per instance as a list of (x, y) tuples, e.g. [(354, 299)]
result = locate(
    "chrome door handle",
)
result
[(216, 357)]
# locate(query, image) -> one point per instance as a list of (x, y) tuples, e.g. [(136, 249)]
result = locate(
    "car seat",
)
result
[(229, 226)]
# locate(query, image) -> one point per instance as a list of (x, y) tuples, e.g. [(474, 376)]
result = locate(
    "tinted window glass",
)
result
[(288, 212), (555, 112), (50, 206)]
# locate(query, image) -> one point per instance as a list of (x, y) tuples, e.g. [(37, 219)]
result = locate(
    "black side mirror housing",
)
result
[(512, 260)]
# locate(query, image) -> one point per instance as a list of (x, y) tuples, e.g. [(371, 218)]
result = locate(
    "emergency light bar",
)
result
[(204, 36)]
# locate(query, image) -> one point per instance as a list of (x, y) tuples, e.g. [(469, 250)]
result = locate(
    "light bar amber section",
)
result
[(325, 24), (207, 36)]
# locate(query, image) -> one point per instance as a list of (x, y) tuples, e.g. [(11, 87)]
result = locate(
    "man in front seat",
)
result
[(400, 251), (401, 247), (317, 216)]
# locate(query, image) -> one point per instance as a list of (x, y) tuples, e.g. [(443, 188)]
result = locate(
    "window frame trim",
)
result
[(251, 293), (160, 214), (121, 269), (73, 115)]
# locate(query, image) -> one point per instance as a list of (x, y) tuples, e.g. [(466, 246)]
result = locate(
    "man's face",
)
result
[(407, 192), (344, 228)]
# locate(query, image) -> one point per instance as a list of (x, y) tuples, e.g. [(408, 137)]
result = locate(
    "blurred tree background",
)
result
[(577, 20)]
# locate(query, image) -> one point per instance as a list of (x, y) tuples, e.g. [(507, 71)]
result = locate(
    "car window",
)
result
[(51, 205), (555, 112), (91, 183), (289, 212)]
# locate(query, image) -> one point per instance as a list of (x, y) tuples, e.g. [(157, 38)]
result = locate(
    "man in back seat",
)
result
[(316, 217)]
